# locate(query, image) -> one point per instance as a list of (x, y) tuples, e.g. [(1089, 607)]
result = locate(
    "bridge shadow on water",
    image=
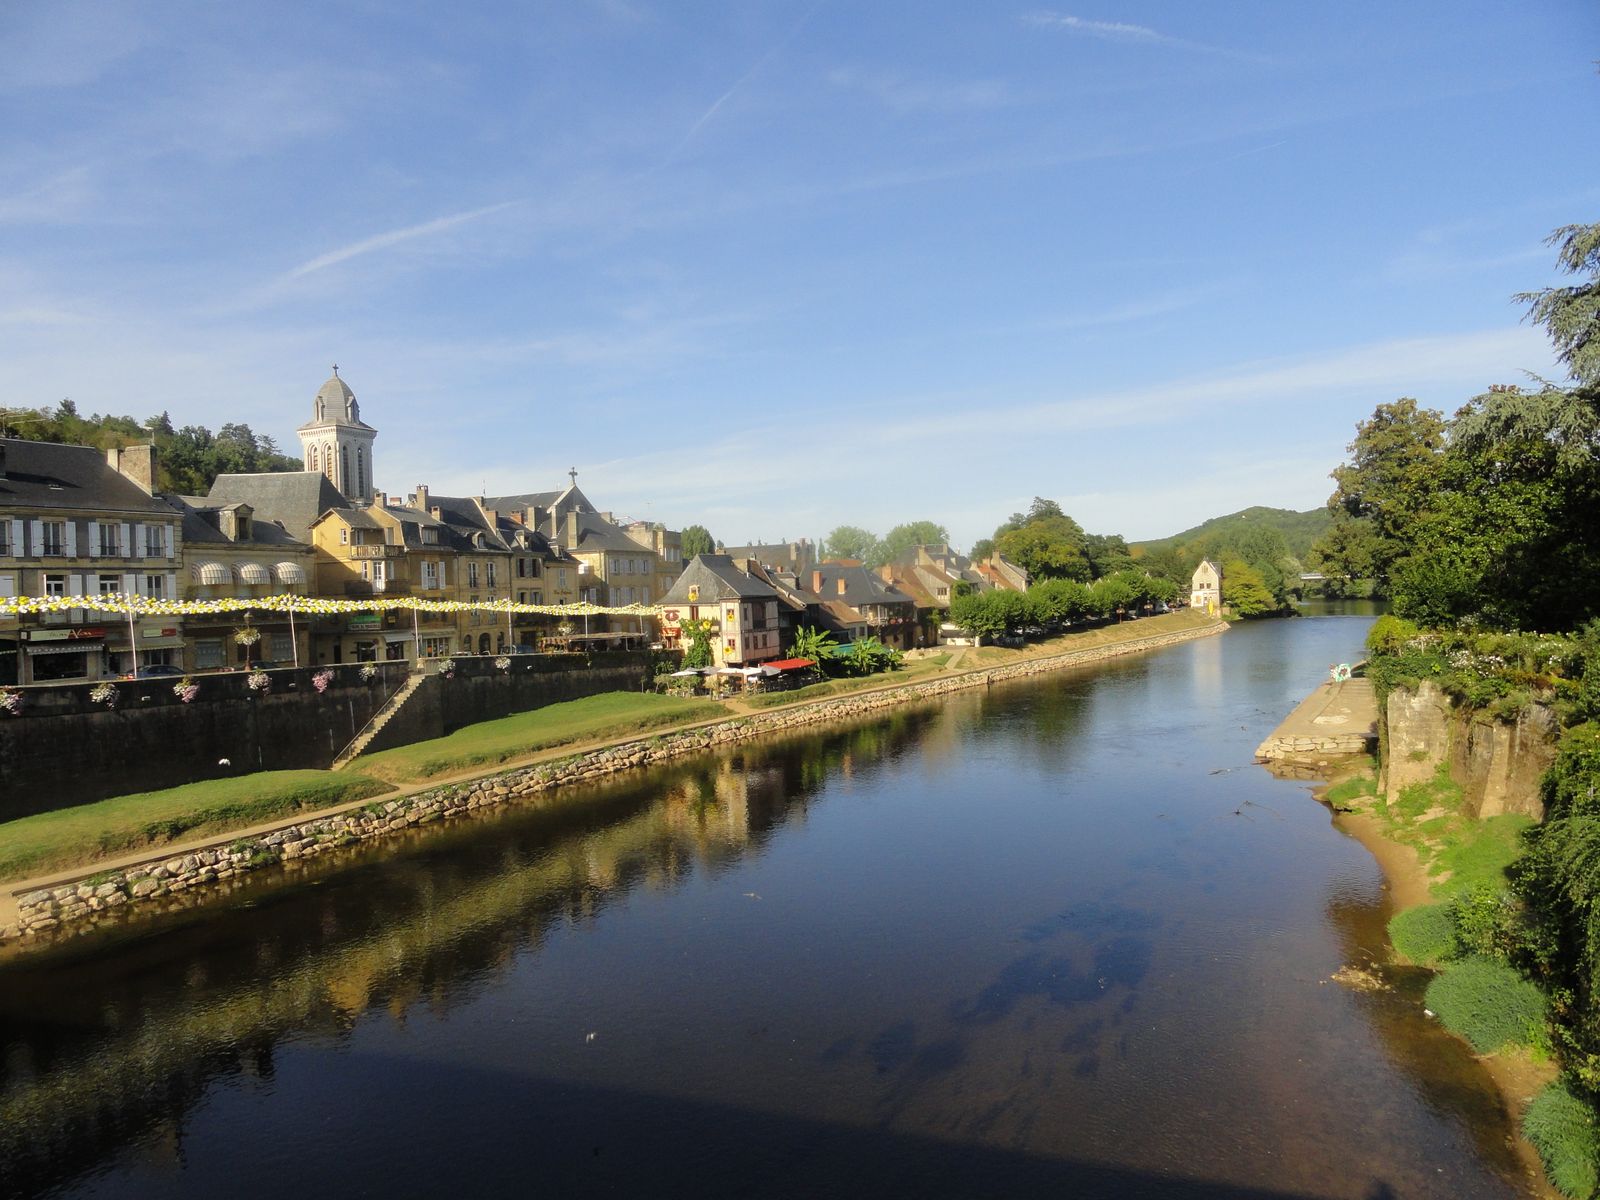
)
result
[(394, 1127)]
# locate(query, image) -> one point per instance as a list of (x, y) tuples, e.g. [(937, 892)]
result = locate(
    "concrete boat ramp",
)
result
[(1337, 718)]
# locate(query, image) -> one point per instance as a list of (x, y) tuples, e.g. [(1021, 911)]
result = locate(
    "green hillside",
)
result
[(1299, 529)]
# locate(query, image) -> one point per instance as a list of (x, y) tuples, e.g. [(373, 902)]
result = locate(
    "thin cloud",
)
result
[(394, 237), (1119, 31)]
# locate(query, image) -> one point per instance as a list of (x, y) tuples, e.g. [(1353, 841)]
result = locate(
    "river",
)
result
[(1058, 937)]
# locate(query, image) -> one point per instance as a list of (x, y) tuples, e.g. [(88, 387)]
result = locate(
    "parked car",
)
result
[(522, 648), (156, 671)]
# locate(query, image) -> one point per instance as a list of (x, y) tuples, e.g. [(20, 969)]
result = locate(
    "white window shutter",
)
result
[(37, 535), (8, 585), (128, 550), (172, 586), (72, 540), (16, 538), (166, 539), (94, 539), (74, 585), (130, 585)]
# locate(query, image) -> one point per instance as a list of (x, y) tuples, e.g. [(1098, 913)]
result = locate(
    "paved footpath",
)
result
[(1337, 718)]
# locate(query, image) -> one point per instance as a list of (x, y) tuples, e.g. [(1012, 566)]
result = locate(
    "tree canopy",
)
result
[(697, 539), (900, 541), (850, 541)]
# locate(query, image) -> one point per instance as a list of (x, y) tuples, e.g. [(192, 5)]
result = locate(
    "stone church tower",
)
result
[(337, 442)]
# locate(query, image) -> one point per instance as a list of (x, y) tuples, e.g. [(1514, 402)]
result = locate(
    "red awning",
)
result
[(790, 664)]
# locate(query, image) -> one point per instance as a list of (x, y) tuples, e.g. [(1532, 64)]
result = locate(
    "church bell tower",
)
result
[(337, 442)]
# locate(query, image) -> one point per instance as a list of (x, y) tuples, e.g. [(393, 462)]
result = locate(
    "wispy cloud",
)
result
[(905, 95), (393, 237), (1120, 31)]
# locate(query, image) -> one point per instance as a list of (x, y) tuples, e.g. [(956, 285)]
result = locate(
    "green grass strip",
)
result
[(593, 718), (1425, 935), (1562, 1129), (79, 836), (1489, 1004)]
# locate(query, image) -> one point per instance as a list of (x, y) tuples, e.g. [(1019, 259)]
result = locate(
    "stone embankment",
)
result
[(82, 904), (1336, 719)]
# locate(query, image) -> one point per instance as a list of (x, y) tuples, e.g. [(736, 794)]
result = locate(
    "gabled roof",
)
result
[(296, 499), (718, 579), (201, 523), (861, 586), (48, 475)]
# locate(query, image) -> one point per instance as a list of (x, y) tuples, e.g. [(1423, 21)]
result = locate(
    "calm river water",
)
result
[(1061, 937)]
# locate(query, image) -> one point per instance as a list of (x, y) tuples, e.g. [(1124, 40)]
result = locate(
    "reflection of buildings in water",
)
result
[(102, 1045)]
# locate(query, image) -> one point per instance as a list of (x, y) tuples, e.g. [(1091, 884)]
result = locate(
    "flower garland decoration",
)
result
[(11, 701), (259, 681), (503, 663), (105, 693), (322, 679), (186, 690)]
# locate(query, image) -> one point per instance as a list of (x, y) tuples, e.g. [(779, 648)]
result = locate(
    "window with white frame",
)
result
[(5, 537), (154, 541), (53, 538), (155, 586), (490, 574), (55, 585), (107, 540)]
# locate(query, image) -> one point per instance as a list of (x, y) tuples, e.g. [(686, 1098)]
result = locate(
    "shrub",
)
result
[(1485, 921), (1425, 935), (1489, 1004), (1562, 1129)]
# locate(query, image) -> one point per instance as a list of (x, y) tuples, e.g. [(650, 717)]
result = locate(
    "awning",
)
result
[(686, 671), (290, 572), (253, 573), (791, 664), (64, 648), (209, 573), (161, 643)]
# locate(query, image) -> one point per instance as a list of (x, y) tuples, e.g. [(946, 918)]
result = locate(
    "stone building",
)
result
[(743, 610), (337, 443), (76, 521), (1205, 589)]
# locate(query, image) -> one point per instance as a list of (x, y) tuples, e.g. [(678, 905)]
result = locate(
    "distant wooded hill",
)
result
[(1298, 530)]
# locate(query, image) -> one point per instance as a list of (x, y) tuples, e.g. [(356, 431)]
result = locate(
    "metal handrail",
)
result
[(414, 673)]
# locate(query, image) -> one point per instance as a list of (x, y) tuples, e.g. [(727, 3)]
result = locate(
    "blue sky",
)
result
[(775, 268)]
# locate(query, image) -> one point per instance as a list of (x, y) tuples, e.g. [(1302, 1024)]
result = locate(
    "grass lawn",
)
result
[(80, 836), (594, 718), (1104, 635), (913, 671)]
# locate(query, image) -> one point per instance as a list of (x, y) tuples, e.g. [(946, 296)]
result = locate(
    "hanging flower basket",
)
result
[(322, 679), (11, 701), (447, 666), (186, 690), (503, 663), (259, 681), (105, 693), (368, 672)]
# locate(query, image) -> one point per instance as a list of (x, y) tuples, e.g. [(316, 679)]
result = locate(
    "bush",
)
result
[(1562, 1129), (1489, 1004), (1485, 920), (1425, 935)]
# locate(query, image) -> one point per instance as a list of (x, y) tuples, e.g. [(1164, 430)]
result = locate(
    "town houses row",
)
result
[(78, 522)]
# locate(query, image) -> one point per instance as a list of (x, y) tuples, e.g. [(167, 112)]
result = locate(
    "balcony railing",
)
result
[(376, 551)]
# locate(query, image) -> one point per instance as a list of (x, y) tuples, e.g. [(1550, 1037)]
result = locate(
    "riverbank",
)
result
[(1429, 854), (183, 875)]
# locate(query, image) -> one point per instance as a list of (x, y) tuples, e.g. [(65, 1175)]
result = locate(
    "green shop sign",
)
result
[(364, 621)]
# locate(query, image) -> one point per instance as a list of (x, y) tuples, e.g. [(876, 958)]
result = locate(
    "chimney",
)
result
[(381, 499), (572, 530), (421, 500), (135, 463), (816, 582), (841, 585)]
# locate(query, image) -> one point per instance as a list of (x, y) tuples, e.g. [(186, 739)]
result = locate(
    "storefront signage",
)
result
[(85, 633), (364, 621)]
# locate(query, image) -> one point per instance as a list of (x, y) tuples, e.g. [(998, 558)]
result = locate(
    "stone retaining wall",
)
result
[(82, 904)]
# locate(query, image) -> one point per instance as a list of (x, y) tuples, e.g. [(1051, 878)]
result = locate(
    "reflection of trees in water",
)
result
[(1438, 1065), (103, 1044)]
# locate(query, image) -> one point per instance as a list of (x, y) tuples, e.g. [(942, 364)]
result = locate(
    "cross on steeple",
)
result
[(573, 472), (335, 370)]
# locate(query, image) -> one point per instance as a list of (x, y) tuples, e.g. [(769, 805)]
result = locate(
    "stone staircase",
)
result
[(379, 719)]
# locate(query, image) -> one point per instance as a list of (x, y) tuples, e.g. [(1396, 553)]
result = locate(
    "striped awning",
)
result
[(253, 573), (290, 572), (209, 573)]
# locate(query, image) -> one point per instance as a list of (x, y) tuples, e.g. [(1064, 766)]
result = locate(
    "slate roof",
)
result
[(462, 515), (340, 405), (294, 498), (201, 524), (45, 475), (861, 586), (718, 579)]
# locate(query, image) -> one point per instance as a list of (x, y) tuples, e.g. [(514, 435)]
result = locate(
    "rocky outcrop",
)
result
[(1497, 763), (80, 905)]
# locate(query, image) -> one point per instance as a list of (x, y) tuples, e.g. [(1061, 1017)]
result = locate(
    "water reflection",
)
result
[(1055, 935)]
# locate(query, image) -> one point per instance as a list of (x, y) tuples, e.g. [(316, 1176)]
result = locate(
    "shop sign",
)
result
[(361, 622), (82, 633)]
